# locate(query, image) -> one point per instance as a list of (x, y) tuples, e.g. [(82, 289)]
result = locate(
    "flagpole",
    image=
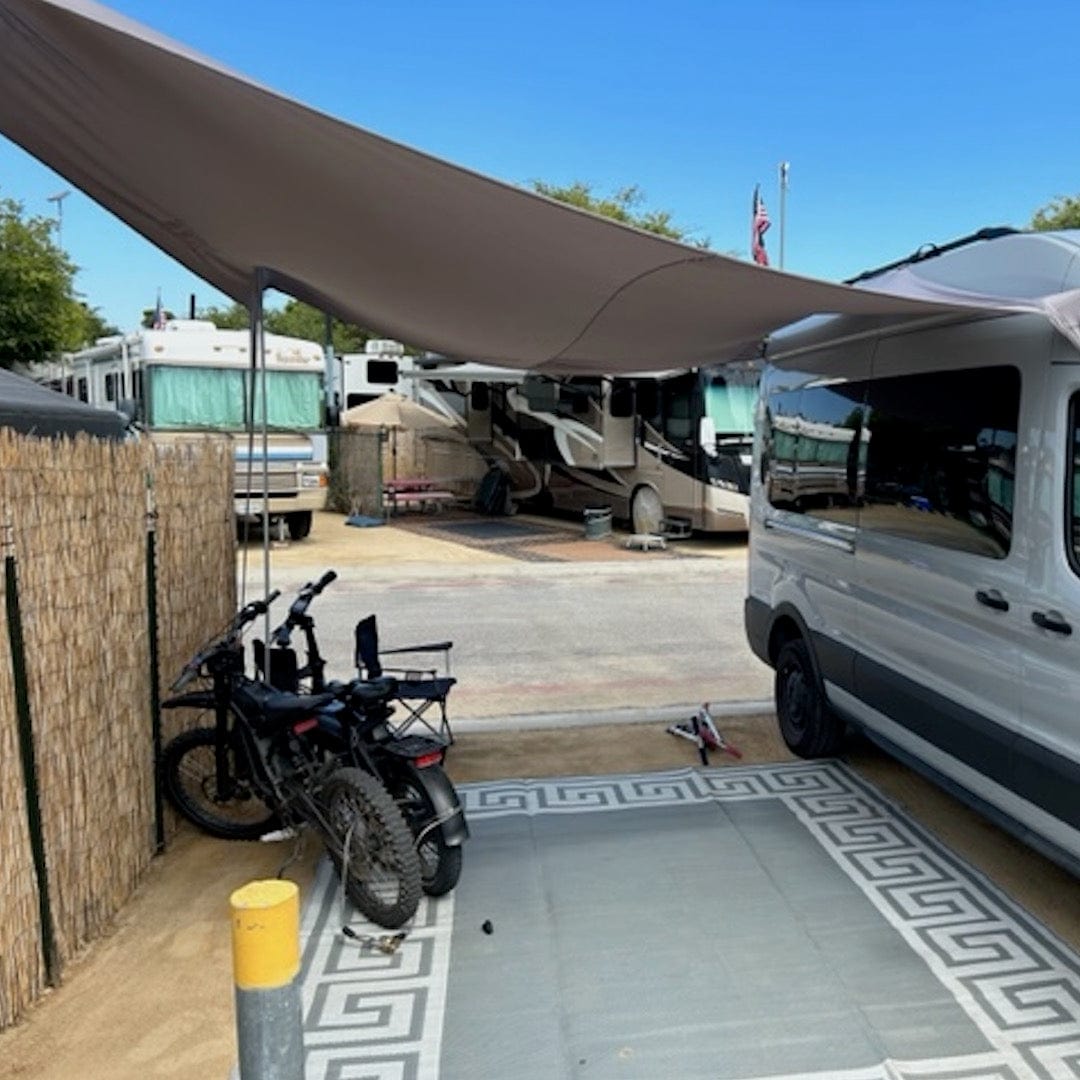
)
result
[(784, 166)]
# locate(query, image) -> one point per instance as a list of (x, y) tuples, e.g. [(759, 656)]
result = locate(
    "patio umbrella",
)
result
[(393, 412)]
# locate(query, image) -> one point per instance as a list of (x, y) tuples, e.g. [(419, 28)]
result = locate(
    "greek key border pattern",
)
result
[(1016, 981), (369, 1015)]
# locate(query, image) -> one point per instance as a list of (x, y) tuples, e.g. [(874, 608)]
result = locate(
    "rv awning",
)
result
[(228, 176)]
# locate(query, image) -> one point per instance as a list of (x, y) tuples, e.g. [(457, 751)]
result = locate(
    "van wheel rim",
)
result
[(796, 695)]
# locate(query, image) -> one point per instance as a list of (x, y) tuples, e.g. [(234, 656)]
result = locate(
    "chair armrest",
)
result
[(435, 646)]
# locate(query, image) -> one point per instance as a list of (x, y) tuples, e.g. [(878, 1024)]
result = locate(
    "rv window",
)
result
[(82, 390), (1073, 492), (576, 394), (621, 402), (942, 455), (679, 421), (382, 372), (648, 399), (110, 387), (480, 397)]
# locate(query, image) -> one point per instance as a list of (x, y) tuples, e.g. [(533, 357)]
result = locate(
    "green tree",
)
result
[(230, 318), (295, 319), (40, 315), (1062, 213), (623, 205)]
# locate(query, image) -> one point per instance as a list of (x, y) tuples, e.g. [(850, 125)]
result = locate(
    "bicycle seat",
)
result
[(364, 693), (276, 707)]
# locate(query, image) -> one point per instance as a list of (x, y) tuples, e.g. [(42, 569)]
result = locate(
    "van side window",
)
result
[(1072, 505), (942, 457), (815, 450)]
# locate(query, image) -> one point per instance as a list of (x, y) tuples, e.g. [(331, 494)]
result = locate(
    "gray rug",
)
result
[(729, 923)]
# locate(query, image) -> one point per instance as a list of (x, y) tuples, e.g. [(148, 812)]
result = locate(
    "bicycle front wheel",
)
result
[(190, 777)]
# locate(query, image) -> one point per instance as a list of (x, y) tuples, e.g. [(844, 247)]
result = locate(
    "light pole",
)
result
[(784, 166), (59, 198)]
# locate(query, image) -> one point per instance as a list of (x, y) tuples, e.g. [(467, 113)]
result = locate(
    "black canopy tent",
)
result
[(36, 410)]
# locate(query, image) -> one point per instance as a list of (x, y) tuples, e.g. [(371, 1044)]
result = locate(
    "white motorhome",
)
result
[(382, 366), (669, 452), (915, 530), (190, 377)]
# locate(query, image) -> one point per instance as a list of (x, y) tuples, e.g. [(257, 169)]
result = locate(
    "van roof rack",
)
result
[(930, 251)]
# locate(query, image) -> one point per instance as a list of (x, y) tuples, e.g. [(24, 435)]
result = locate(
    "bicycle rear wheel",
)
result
[(371, 847)]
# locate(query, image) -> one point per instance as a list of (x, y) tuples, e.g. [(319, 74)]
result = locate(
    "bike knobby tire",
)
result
[(440, 864), (381, 866), (189, 775)]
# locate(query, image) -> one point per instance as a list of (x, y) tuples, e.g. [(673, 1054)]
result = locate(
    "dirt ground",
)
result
[(154, 1000)]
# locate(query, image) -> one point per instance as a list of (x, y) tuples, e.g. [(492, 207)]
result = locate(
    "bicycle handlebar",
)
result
[(247, 614), (282, 634)]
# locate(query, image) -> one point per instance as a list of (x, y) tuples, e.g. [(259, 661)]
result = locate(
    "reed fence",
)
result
[(95, 536)]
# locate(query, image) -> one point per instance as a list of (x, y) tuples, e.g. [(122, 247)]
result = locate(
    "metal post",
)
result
[(266, 968), (784, 167), (155, 664), (258, 367), (59, 198), (49, 951)]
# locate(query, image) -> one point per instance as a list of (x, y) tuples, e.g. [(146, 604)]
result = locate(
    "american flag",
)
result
[(159, 315), (759, 223)]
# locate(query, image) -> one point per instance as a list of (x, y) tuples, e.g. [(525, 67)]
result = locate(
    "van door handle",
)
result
[(992, 598), (1051, 620)]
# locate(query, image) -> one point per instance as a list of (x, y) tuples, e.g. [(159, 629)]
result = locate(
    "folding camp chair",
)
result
[(422, 691)]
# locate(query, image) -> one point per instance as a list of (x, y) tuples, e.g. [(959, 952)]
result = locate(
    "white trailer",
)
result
[(189, 377)]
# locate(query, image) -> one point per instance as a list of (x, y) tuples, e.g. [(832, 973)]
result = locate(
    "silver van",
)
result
[(915, 531)]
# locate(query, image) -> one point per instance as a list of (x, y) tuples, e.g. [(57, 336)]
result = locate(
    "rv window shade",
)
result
[(196, 397), (730, 406), (294, 400)]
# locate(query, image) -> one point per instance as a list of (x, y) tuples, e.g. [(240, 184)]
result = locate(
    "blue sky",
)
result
[(904, 122)]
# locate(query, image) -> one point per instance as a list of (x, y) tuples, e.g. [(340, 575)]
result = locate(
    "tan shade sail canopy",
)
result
[(228, 176)]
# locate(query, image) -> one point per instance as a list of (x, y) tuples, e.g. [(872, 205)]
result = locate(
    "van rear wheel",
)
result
[(808, 726)]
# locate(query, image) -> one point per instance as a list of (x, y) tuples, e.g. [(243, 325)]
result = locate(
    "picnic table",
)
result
[(418, 492)]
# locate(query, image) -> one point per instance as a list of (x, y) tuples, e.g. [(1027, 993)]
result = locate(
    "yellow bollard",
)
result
[(266, 963)]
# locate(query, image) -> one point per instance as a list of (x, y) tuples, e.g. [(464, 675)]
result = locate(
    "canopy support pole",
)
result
[(258, 374)]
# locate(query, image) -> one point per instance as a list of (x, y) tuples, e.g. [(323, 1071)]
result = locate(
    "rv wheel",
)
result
[(299, 524), (809, 727), (647, 512)]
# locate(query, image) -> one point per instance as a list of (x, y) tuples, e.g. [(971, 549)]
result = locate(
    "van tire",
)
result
[(807, 724)]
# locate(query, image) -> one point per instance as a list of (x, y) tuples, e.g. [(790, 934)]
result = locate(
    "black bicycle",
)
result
[(258, 761), (358, 729)]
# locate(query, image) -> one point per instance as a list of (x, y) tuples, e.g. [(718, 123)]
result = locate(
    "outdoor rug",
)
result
[(499, 530), (726, 923)]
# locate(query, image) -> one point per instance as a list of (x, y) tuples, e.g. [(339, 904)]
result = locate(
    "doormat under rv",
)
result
[(735, 923)]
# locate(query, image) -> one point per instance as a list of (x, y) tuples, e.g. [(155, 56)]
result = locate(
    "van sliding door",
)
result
[(938, 574), (1048, 624)]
